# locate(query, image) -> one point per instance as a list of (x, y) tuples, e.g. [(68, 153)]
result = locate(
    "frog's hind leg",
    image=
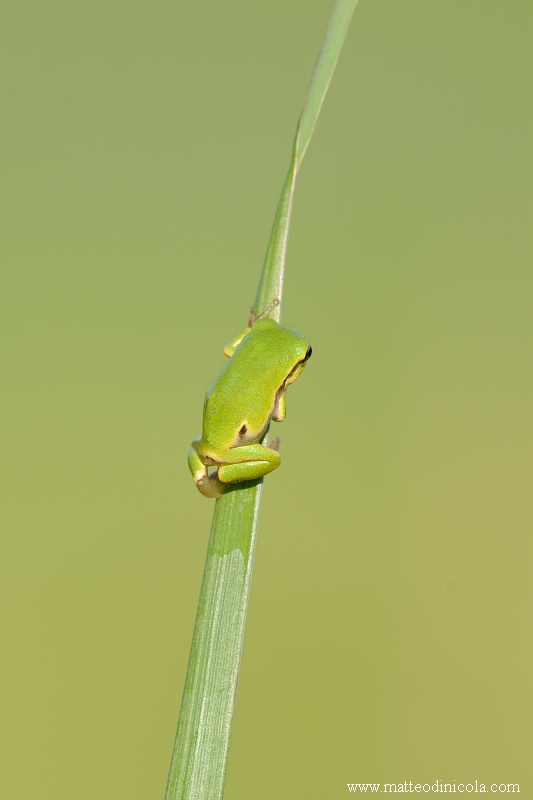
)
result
[(208, 485), (250, 462)]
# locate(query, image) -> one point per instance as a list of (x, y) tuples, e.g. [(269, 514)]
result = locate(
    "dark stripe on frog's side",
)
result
[(293, 370), (209, 461)]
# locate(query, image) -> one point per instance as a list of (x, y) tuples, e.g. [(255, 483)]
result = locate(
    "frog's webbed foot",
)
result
[(208, 485), (254, 316)]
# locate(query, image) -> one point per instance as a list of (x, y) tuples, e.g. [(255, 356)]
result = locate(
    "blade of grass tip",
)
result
[(271, 282), (199, 760)]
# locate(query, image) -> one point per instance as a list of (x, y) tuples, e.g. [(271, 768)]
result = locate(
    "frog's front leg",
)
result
[(209, 486), (280, 408), (249, 462)]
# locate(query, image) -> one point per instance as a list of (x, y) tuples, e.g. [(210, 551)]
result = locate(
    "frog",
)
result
[(246, 395)]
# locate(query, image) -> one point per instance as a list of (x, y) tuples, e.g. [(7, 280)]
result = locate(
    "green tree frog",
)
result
[(247, 393)]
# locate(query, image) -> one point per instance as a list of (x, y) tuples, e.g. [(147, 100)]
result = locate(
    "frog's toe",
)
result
[(274, 444), (210, 485)]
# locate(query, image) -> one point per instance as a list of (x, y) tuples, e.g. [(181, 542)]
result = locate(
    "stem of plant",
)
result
[(199, 761)]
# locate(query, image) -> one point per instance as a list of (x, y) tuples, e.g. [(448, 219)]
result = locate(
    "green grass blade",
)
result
[(271, 282), (199, 761), (323, 73), (201, 748)]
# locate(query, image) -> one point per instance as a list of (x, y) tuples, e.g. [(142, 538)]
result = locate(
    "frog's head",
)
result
[(299, 366), (282, 352), (300, 350)]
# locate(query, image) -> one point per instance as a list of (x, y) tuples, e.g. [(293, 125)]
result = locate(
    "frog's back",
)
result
[(244, 392)]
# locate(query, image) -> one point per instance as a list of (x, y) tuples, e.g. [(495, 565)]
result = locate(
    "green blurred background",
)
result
[(144, 147)]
